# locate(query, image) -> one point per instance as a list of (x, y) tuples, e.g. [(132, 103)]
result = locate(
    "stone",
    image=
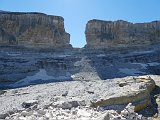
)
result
[(90, 92), (2, 92), (139, 97), (129, 113), (65, 105), (25, 113), (41, 112), (82, 103), (69, 104), (105, 117), (29, 103), (22, 118), (65, 94), (33, 30), (49, 115), (109, 115), (126, 114), (120, 33), (74, 112), (121, 84), (130, 108), (83, 113), (148, 81), (3, 116)]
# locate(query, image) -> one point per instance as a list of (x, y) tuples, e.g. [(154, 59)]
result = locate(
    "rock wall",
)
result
[(32, 29), (121, 33)]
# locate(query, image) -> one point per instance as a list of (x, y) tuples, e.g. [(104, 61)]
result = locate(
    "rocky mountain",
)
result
[(108, 34), (35, 49), (3, 11), (32, 30), (21, 66)]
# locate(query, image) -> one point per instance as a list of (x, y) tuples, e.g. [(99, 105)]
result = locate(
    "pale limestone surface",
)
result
[(106, 95)]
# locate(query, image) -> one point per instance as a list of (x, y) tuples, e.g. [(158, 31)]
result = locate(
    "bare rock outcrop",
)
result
[(105, 95), (85, 99), (107, 34), (140, 96), (32, 29)]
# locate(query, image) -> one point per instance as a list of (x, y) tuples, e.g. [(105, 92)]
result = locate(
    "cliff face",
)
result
[(32, 29), (121, 33)]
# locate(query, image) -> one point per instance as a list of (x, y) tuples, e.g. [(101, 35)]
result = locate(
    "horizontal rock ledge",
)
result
[(139, 98)]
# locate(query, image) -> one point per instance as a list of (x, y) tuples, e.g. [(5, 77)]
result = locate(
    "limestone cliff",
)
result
[(121, 33), (32, 29)]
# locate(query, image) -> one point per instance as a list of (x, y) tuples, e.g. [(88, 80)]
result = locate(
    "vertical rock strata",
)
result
[(104, 34), (32, 29)]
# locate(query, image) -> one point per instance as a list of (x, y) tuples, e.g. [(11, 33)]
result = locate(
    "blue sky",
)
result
[(77, 12)]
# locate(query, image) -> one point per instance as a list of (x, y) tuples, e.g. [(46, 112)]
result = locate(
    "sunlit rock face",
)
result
[(32, 30), (107, 34), (120, 48), (21, 66)]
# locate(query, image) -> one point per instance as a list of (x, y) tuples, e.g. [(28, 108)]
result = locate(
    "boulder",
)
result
[(29, 103), (69, 104), (126, 114), (140, 98)]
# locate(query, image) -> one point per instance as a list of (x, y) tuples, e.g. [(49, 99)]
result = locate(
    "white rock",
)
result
[(130, 108), (50, 108), (84, 118), (31, 117), (83, 113), (25, 113), (22, 118), (41, 112), (124, 112), (60, 118), (41, 118), (104, 116), (49, 115)]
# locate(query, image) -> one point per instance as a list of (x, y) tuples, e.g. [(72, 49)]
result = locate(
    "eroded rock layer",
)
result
[(32, 29), (121, 33)]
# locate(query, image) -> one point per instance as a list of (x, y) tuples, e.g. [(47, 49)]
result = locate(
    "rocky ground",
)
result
[(42, 66), (52, 112), (155, 95), (80, 84), (79, 100)]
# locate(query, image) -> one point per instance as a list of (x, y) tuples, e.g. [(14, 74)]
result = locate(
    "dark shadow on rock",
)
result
[(151, 110), (121, 63), (19, 65), (2, 92)]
